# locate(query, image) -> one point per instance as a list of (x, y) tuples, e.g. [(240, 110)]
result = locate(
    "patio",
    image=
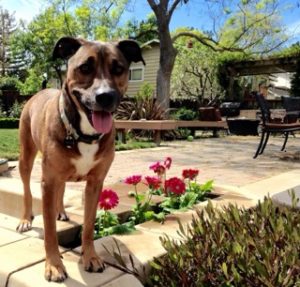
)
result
[(227, 160)]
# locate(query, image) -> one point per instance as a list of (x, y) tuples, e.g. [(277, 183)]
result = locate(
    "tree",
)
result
[(8, 26), (195, 71), (92, 19), (37, 40), (143, 31), (243, 39)]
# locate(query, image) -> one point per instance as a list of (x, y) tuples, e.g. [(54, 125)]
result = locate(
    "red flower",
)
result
[(153, 182), (158, 168), (108, 199), (134, 179), (168, 162), (190, 173), (175, 185)]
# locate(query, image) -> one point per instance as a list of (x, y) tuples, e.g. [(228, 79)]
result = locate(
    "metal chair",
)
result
[(268, 126)]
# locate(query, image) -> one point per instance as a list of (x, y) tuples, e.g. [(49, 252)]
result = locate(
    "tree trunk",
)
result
[(166, 64)]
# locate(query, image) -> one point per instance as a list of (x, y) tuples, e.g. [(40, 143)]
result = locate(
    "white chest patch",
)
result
[(86, 161), (85, 125)]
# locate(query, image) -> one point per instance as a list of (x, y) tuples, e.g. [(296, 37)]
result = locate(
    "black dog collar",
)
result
[(73, 135)]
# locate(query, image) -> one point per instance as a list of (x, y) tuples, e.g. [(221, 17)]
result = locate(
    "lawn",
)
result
[(9, 144)]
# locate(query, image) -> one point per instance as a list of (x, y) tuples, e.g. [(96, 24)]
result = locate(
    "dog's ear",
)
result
[(65, 48), (131, 51)]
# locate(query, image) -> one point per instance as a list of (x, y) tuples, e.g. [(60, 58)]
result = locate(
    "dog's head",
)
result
[(97, 75)]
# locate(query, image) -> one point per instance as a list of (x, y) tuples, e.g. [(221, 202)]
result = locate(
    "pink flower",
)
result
[(158, 168), (134, 179), (175, 185), (153, 182), (168, 162), (108, 199), (190, 173)]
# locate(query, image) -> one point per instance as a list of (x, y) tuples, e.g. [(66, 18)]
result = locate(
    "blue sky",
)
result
[(187, 15)]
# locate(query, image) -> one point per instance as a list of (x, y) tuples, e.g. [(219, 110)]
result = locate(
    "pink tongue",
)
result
[(102, 121)]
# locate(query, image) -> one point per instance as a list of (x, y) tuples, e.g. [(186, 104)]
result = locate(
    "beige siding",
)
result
[(151, 57)]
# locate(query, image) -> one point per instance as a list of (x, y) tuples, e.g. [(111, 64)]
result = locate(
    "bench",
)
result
[(161, 125), (203, 125), (156, 125)]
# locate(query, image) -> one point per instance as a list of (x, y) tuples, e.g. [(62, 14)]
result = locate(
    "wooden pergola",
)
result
[(260, 67)]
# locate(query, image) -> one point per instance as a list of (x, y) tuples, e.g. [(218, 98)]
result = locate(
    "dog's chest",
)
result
[(86, 161)]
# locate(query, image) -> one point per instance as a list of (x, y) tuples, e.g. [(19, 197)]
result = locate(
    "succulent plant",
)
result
[(234, 247)]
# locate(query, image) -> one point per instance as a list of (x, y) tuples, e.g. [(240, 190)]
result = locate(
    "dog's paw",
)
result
[(55, 272), (24, 225), (62, 216), (93, 263)]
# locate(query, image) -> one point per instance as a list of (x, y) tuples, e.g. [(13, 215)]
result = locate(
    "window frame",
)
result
[(136, 68)]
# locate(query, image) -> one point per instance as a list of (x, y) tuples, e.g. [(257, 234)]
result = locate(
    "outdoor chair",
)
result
[(274, 126)]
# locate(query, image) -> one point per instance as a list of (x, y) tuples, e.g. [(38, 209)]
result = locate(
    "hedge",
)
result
[(9, 123)]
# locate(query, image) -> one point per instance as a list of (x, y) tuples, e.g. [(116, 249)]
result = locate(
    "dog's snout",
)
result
[(107, 100)]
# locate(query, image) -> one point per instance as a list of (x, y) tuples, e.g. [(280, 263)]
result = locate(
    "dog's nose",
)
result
[(107, 100)]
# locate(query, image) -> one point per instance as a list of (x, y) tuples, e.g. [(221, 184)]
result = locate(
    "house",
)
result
[(140, 74)]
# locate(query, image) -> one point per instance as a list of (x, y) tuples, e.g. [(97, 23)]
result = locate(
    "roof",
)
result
[(150, 43)]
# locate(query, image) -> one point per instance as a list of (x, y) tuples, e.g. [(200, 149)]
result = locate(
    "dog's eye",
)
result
[(86, 68), (117, 69)]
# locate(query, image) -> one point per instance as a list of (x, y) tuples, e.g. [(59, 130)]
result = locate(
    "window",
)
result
[(136, 74)]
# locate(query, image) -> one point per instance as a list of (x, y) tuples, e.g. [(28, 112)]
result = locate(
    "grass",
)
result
[(9, 144)]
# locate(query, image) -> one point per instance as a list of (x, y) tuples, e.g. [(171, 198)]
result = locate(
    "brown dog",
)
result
[(73, 128)]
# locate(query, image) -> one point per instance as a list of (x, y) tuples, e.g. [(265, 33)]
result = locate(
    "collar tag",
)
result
[(69, 142)]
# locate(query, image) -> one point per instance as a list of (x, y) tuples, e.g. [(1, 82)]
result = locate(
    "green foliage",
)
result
[(184, 114), (254, 27), (143, 210), (9, 123), (194, 194), (194, 74), (9, 83), (107, 223), (32, 84), (143, 31), (16, 110), (143, 106), (234, 247)]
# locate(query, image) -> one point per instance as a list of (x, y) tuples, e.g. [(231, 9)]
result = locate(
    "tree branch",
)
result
[(173, 7), (214, 45)]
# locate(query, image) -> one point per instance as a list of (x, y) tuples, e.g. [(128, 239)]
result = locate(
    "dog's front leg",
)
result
[(55, 270), (91, 261)]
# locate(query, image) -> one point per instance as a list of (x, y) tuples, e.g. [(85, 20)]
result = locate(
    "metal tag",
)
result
[(69, 142)]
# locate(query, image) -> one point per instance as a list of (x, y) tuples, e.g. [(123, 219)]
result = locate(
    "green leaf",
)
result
[(188, 199), (159, 216), (155, 265), (207, 186), (148, 215), (140, 197), (224, 269)]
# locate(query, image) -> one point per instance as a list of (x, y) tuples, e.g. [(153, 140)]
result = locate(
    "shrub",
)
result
[(32, 84), (185, 114), (16, 109), (9, 123), (9, 83), (234, 247), (142, 106)]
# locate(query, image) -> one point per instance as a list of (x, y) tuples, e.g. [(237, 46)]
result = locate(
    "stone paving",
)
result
[(226, 160)]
